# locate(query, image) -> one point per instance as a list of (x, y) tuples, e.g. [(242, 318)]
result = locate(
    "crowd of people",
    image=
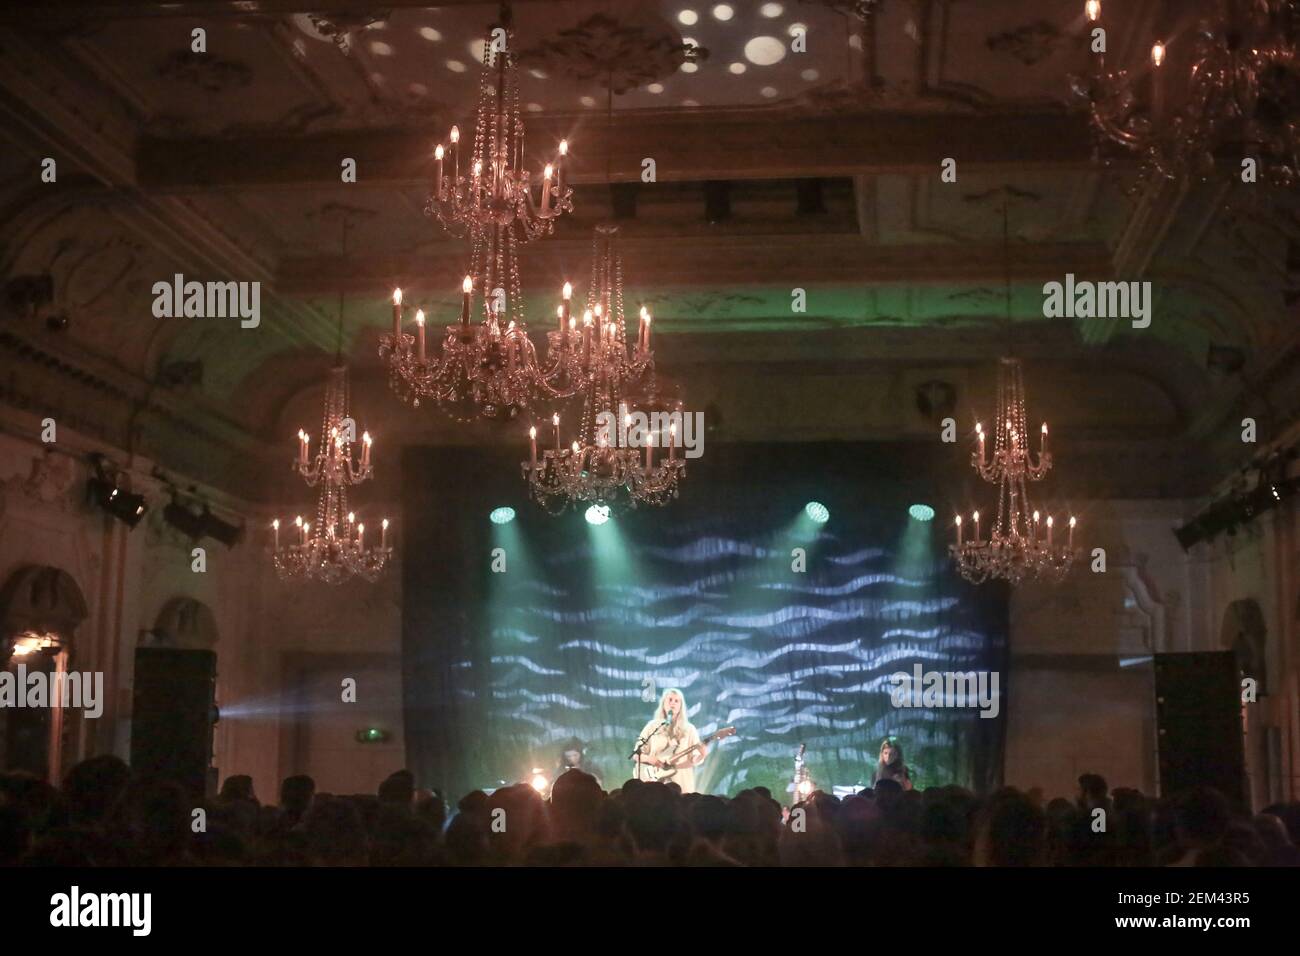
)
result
[(103, 815)]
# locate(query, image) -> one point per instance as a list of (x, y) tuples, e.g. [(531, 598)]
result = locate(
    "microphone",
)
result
[(669, 719)]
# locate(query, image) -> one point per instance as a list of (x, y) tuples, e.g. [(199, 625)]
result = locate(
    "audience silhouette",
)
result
[(104, 815)]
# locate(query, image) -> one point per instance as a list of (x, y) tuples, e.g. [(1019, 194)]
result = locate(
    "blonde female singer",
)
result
[(668, 735)]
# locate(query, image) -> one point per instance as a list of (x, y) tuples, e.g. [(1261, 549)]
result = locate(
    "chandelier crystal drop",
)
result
[(483, 184), (1020, 543), (333, 547), (1237, 90)]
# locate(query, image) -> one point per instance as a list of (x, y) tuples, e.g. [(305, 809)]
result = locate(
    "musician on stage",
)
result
[(671, 742), (891, 765), (573, 753)]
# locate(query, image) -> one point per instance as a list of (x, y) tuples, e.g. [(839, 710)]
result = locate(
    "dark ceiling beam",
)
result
[(684, 148), (727, 260), (61, 11)]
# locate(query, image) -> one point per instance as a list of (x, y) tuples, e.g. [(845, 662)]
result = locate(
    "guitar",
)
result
[(659, 774)]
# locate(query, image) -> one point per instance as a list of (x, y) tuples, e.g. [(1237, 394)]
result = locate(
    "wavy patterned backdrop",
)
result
[(586, 625)]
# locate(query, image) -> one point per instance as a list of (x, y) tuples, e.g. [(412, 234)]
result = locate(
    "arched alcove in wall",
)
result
[(42, 600), (40, 610), (183, 622)]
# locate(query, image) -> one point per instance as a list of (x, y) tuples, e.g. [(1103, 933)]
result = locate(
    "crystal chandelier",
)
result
[(489, 368), (612, 462), (599, 355), (1019, 543), (486, 185), (1240, 96), (612, 459), (333, 548)]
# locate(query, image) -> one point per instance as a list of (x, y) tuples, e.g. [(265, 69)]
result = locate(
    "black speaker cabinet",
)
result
[(1198, 720), (172, 715)]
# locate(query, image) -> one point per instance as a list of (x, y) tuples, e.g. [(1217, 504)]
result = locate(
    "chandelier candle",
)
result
[(397, 315), (1092, 10), (566, 294), (466, 288), (1157, 82), (419, 333), (532, 442)]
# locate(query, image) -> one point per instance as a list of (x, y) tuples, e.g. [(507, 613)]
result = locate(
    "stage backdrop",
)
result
[(586, 624)]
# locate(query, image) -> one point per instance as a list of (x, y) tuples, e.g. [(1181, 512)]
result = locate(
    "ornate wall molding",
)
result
[(612, 53), (50, 482), (1030, 43), (207, 72)]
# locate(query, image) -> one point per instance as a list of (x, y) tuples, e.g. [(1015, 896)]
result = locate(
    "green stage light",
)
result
[(502, 515), (597, 514), (921, 513), (817, 511)]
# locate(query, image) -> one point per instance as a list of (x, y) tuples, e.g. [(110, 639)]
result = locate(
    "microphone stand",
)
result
[(640, 748)]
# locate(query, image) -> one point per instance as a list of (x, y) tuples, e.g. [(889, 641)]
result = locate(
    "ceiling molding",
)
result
[(790, 261), (692, 147)]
